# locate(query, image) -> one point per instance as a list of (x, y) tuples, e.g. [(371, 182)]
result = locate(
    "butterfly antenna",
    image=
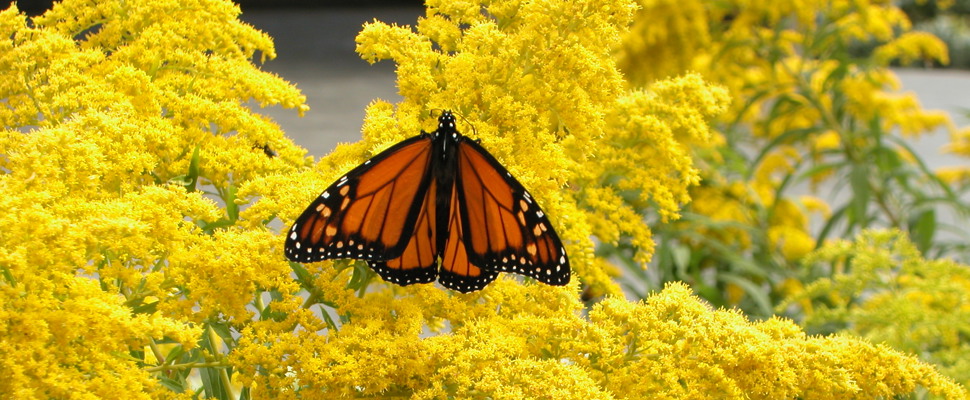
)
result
[(467, 122)]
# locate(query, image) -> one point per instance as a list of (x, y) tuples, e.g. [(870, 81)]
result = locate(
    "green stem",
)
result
[(156, 351), (190, 365)]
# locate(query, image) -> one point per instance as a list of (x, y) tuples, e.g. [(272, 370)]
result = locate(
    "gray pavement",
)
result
[(315, 50)]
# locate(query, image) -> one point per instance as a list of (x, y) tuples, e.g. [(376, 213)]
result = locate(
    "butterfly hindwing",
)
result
[(419, 261), (506, 229), (370, 212), (458, 272)]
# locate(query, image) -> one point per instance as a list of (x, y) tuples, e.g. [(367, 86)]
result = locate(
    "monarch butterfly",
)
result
[(434, 196)]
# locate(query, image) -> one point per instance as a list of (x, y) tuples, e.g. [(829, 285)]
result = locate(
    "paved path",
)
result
[(315, 50)]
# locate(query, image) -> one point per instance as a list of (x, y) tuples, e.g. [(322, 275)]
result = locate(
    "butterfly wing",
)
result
[(505, 230), (418, 263), (416, 202), (458, 272), (371, 212)]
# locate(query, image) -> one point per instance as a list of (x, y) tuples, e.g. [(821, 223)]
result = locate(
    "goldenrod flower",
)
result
[(889, 293), (115, 115)]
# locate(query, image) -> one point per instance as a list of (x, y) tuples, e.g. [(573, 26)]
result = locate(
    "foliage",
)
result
[(806, 116), (140, 259), (879, 287)]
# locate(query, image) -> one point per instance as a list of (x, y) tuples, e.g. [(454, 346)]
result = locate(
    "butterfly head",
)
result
[(446, 122)]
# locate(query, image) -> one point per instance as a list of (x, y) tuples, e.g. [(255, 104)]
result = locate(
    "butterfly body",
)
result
[(436, 198)]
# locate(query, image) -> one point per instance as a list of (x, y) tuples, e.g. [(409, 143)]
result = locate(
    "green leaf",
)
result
[(190, 179), (886, 159), (303, 276), (830, 225), (681, 256), (175, 385), (174, 354), (859, 204), (7, 276), (211, 227), (232, 209), (922, 229), (222, 329), (925, 169), (212, 383), (784, 138), (820, 169), (145, 308), (753, 290), (328, 319), (361, 275)]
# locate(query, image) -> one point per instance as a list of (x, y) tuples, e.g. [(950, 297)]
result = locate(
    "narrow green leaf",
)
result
[(681, 256), (224, 332), (303, 276), (212, 383), (328, 319), (361, 275), (922, 229), (174, 354), (232, 209), (7, 276), (859, 204), (193, 176), (830, 225), (175, 385), (753, 290), (820, 169), (784, 138)]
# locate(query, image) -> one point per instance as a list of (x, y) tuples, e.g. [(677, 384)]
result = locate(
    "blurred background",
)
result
[(315, 50)]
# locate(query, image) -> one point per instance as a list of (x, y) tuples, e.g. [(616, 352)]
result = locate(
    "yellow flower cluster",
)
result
[(881, 288), (116, 115), (513, 341), (127, 265)]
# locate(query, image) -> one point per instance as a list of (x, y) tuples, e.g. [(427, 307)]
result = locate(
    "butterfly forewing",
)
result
[(506, 229), (370, 212)]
